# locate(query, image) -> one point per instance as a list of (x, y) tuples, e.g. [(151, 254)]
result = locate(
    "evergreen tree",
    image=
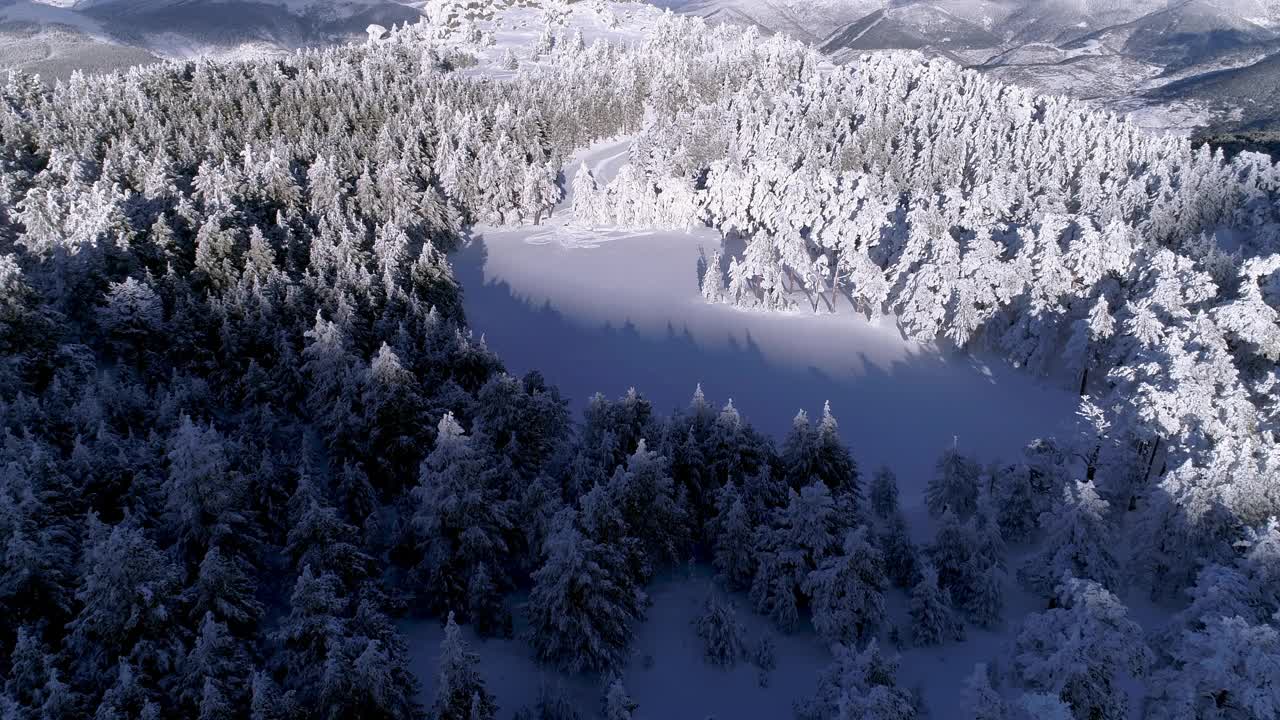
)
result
[(618, 705), (846, 591), (932, 619), (859, 684), (1078, 541), (982, 702), (733, 540), (584, 604), (463, 526), (954, 486), (797, 541), (1082, 650), (901, 560), (720, 631), (884, 493), (461, 693)]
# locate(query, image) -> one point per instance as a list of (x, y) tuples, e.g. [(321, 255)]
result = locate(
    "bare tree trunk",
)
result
[(1151, 461), (1084, 380)]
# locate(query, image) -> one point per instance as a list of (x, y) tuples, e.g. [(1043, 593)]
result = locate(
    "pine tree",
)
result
[(982, 702), (1077, 541), (1082, 649), (932, 620), (858, 685), (846, 591), (205, 498), (618, 704), (462, 525), (1226, 669), (733, 540), (799, 538), (954, 486), (720, 631), (460, 693), (584, 604), (884, 493), (901, 560), (713, 289)]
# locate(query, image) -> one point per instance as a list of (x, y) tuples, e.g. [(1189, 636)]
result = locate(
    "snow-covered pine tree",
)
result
[(1227, 668), (463, 526), (859, 685), (901, 559), (846, 591), (933, 621), (1078, 540), (1082, 650), (584, 604), (618, 704), (798, 539), (954, 486), (733, 539), (720, 631), (883, 493), (461, 693), (983, 702)]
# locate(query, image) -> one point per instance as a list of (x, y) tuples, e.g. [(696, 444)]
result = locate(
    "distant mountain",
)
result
[(54, 37), (1248, 97), (1164, 59)]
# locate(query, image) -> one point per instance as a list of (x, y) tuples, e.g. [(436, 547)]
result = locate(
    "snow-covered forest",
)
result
[(247, 430)]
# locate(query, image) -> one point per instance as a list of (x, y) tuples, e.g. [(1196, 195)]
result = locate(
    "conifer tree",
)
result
[(932, 619), (460, 693), (584, 604)]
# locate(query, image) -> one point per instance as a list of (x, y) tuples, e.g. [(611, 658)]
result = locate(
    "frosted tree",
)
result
[(645, 495), (588, 205), (817, 454), (460, 693), (900, 555), (799, 538), (1082, 650), (954, 485), (933, 621), (1226, 669), (463, 528), (969, 558), (128, 593), (1014, 501), (1042, 706), (132, 315), (720, 631), (883, 493), (205, 499), (584, 604), (846, 591), (733, 539), (509, 62), (983, 702), (713, 289), (858, 685), (618, 704), (1078, 540)]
